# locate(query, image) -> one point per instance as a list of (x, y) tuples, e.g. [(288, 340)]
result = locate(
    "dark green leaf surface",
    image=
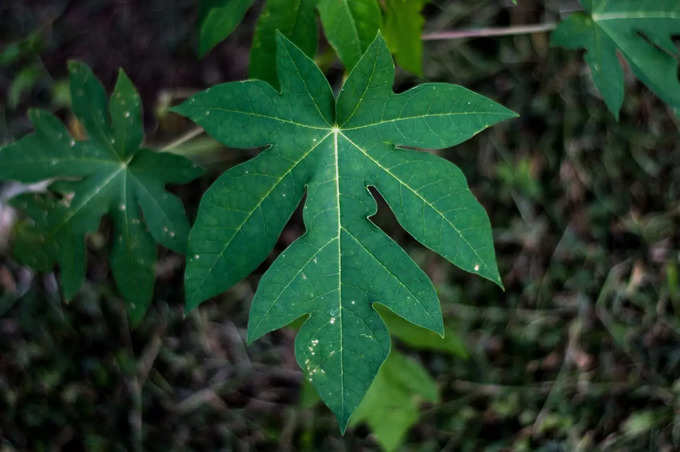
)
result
[(109, 174), (402, 26), (641, 30), (296, 20), (392, 404), (350, 26), (217, 19), (344, 263)]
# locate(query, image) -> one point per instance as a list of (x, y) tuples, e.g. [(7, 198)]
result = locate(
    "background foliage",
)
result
[(581, 352)]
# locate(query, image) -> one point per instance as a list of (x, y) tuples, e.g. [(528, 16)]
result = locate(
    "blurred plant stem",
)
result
[(135, 415), (490, 31), (191, 134)]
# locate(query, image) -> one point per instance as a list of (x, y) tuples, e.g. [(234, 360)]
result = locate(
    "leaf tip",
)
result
[(180, 109), (190, 304), (343, 422), (438, 329), (34, 114), (252, 335), (379, 40), (136, 315), (76, 66), (202, 50), (123, 77), (281, 38), (73, 65), (499, 283)]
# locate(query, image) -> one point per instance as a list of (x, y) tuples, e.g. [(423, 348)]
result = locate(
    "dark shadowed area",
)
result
[(581, 351)]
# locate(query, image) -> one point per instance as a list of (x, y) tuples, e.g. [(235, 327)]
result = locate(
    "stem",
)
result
[(193, 133), (492, 31), (135, 415)]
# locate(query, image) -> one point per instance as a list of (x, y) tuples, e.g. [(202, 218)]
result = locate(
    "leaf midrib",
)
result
[(294, 165), (423, 199), (260, 115), (429, 115), (85, 202), (604, 17), (336, 131), (387, 269)]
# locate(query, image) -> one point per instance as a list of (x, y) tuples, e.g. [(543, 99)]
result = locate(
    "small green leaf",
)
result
[(27, 47), (217, 20), (392, 403), (402, 26), (296, 20), (350, 26), (639, 423), (109, 174), (334, 150), (24, 81), (641, 30)]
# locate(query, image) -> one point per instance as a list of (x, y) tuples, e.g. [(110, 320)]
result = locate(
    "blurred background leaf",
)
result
[(562, 360), (217, 20), (391, 405)]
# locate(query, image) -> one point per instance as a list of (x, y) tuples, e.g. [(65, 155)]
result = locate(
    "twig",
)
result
[(193, 133), (135, 415), (575, 329), (149, 355), (492, 31)]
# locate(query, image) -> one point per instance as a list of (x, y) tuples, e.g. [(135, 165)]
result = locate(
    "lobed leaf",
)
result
[(332, 150), (641, 30), (108, 174)]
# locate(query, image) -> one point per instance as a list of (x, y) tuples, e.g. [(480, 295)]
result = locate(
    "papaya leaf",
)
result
[(402, 26), (350, 26), (334, 149), (108, 174), (296, 20), (641, 30), (217, 19), (392, 403)]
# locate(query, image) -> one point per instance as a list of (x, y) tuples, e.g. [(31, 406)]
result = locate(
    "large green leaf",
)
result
[(111, 174), (392, 404), (217, 20), (641, 30), (350, 26), (402, 26), (296, 20), (336, 149)]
